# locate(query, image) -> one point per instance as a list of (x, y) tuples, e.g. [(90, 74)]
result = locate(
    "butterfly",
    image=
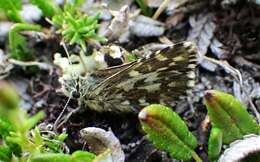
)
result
[(160, 77)]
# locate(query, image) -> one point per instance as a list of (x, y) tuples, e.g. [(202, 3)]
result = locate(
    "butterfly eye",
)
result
[(75, 94), (113, 61)]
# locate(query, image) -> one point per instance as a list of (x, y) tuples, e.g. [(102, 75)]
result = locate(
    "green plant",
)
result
[(48, 8), (230, 121), (77, 156), (168, 132), (144, 7), (229, 118), (75, 27), (11, 8), (229, 115), (20, 142), (18, 44), (214, 143)]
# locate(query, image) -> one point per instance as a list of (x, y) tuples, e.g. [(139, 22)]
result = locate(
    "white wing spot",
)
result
[(172, 84), (162, 69), (126, 102), (191, 75), (152, 87), (143, 102), (134, 73), (191, 83), (191, 66), (172, 63), (161, 58), (149, 67), (187, 44), (152, 77), (178, 58)]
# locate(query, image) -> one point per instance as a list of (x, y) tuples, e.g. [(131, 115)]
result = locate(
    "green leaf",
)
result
[(229, 115), (36, 136), (78, 156), (214, 143), (12, 8), (168, 132), (18, 43), (62, 137), (76, 27), (104, 157), (51, 157), (32, 121), (5, 128), (83, 156), (5, 153), (11, 4), (47, 6), (8, 98), (145, 9)]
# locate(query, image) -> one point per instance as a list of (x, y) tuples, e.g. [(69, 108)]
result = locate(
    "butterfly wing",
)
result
[(161, 77)]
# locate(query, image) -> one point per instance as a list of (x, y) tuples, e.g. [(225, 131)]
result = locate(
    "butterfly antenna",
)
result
[(57, 121), (66, 51)]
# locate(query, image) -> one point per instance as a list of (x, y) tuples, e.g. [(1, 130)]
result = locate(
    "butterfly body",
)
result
[(160, 77)]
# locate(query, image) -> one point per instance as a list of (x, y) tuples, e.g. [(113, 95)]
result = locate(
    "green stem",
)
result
[(23, 26), (196, 157)]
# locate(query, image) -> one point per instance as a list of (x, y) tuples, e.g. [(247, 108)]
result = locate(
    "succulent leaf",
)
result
[(229, 115), (214, 143), (168, 131), (12, 8), (48, 7)]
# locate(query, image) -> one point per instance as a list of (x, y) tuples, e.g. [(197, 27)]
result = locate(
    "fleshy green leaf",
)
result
[(32, 121), (83, 156), (8, 98), (78, 156), (12, 8), (5, 153), (51, 157), (168, 131), (5, 128), (214, 143), (104, 157), (47, 6), (144, 7), (229, 115)]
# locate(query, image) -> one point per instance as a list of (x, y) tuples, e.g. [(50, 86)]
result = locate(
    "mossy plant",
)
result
[(17, 43), (77, 28), (168, 132), (144, 7), (23, 141), (77, 156), (11, 8), (48, 7)]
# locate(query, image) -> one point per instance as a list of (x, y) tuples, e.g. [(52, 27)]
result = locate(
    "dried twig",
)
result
[(162, 7), (41, 65)]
